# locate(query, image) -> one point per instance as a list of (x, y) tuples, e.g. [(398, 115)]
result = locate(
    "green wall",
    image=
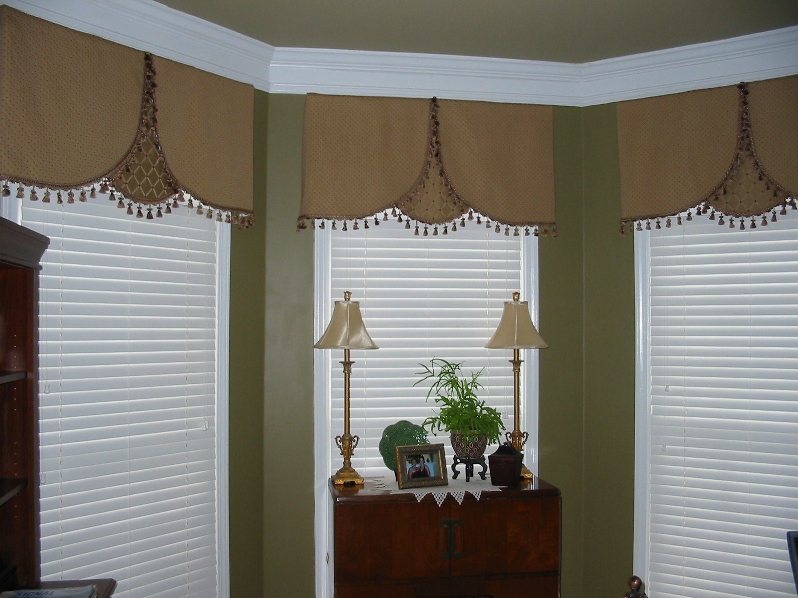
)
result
[(609, 337), (288, 414), (247, 346), (560, 428), (586, 431), (586, 428)]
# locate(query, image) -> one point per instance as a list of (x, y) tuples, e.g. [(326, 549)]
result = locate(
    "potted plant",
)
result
[(470, 422)]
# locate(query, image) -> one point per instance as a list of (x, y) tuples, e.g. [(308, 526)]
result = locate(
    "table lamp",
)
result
[(346, 331), (516, 332)]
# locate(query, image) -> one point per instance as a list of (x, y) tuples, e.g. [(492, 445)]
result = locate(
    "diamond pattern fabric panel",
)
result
[(674, 149), (774, 119), (500, 159), (360, 155), (68, 121), (205, 124)]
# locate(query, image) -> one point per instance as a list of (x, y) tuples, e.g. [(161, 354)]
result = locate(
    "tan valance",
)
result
[(78, 112), (435, 162), (728, 152)]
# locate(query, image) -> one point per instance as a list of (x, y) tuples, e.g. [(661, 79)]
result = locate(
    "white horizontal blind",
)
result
[(422, 297), (127, 391), (723, 410)]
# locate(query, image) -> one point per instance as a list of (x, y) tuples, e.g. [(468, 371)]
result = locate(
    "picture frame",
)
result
[(421, 465)]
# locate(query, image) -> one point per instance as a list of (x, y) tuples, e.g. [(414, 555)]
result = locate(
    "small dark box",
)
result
[(505, 465)]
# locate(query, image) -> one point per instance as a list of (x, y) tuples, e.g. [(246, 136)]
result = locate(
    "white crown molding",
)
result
[(343, 72), (702, 66), (147, 25)]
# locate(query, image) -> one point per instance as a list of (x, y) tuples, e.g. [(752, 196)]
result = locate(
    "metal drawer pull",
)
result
[(450, 524)]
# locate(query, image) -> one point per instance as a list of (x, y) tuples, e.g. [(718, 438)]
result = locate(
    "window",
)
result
[(132, 320), (420, 297), (717, 470)]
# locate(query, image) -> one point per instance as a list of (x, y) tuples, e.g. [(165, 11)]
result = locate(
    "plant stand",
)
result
[(469, 467)]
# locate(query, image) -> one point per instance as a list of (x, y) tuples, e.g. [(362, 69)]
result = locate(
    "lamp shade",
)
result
[(515, 330), (346, 329)]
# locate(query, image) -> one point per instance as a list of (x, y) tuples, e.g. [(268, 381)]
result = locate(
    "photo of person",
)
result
[(417, 467), (421, 466)]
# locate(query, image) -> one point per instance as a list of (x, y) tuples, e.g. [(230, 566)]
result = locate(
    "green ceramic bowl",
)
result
[(402, 433)]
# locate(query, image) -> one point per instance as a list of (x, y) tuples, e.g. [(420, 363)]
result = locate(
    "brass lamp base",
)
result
[(518, 439), (347, 443), (347, 476)]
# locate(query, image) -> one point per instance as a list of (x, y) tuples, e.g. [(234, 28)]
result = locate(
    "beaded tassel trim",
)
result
[(426, 229)]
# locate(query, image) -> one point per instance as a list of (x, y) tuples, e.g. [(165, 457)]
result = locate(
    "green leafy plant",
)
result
[(460, 410)]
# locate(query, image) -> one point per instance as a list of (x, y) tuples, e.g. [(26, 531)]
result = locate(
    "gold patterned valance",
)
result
[(433, 162), (79, 113), (727, 152)]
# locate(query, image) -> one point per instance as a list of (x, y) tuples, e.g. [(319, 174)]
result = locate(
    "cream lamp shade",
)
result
[(515, 330), (346, 329)]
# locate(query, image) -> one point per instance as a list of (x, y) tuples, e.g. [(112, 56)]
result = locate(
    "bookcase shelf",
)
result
[(9, 377), (10, 487)]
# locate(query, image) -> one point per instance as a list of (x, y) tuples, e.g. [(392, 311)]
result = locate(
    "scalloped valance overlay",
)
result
[(433, 164), (80, 114), (728, 153)]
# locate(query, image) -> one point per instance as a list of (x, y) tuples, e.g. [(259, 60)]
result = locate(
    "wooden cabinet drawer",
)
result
[(389, 541), (503, 536)]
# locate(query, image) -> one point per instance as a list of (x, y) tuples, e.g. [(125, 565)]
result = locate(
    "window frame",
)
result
[(644, 407), (324, 360), (11, 209)]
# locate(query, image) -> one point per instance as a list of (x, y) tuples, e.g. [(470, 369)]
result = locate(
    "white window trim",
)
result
[(322, 397), (642, 406), (530, 369), (223, 233)]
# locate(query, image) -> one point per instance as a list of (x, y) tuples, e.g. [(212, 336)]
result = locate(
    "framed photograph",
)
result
[(420, 465)]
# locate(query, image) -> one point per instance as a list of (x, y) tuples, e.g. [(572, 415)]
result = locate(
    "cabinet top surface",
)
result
[(370, 491), (20, 245)]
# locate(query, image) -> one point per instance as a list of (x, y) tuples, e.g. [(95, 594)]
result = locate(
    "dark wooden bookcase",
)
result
[(20, 253), (21, 250)]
